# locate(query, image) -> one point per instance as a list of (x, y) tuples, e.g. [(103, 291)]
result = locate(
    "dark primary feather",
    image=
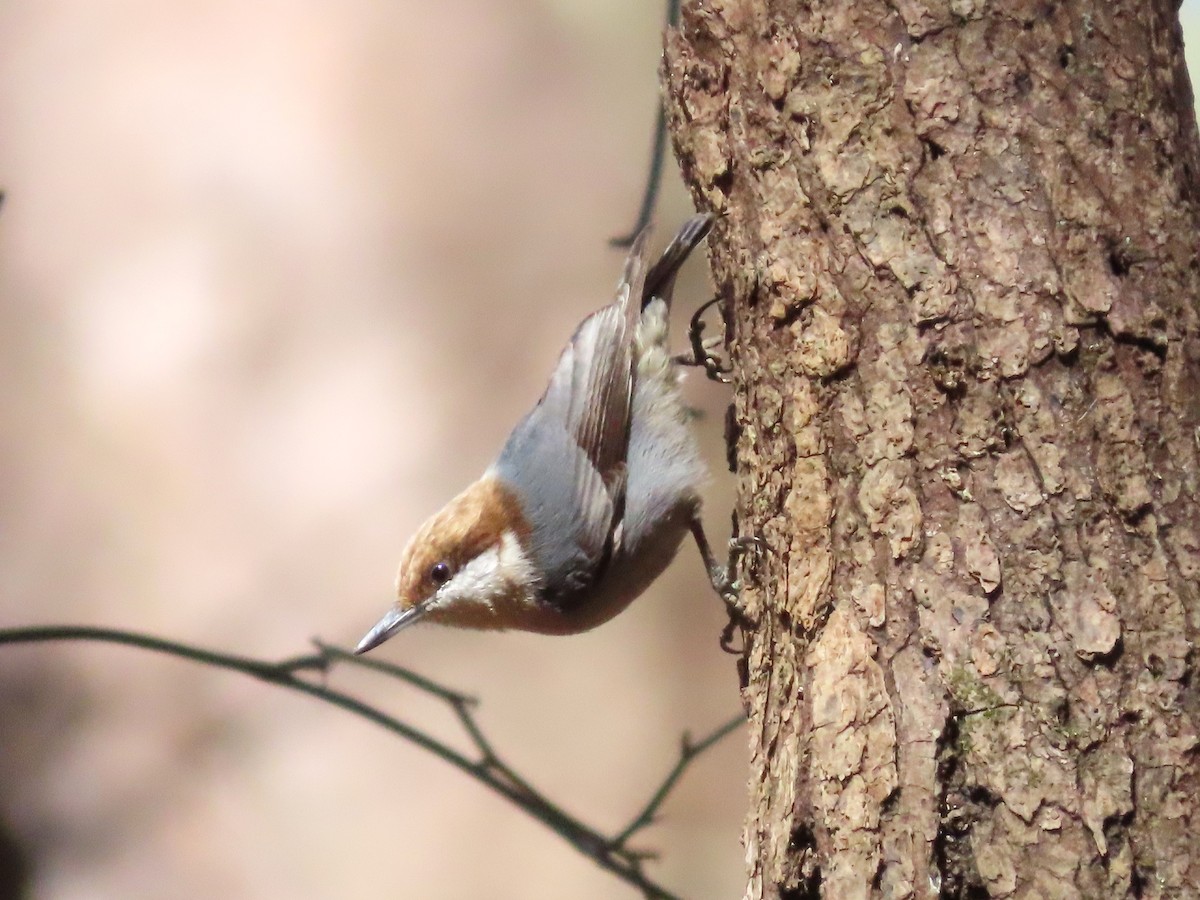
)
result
[(599, 361)]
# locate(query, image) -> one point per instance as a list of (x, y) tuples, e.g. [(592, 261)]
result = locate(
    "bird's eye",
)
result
[(439, 574)]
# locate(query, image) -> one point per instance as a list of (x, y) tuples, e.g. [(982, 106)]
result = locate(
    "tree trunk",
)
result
[(958, 253)]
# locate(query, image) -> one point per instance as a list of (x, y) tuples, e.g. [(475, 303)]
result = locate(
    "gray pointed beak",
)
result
[(392, 621)]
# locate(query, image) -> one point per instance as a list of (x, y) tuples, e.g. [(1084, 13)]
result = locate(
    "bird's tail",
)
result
[(660, 280)]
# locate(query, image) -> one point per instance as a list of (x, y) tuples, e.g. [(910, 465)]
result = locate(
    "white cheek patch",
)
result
[(501, 570), (517, 567), (479, 581)]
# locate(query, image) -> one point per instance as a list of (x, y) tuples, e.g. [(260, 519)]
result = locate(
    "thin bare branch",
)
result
[(658, 154), (612, 854), (687, 753)]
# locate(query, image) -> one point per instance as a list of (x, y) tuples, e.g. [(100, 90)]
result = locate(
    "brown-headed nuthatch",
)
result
[(593, 492)]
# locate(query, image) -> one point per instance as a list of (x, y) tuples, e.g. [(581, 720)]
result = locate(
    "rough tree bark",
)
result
[(958, 252)]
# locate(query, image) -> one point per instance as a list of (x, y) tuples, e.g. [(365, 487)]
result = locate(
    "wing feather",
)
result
[(567, 456)]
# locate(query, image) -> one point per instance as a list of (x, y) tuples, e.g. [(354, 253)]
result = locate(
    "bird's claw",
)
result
[(729, 587), (702, 355)]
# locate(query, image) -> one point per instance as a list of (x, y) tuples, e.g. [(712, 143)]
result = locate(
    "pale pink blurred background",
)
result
[(275, 280)]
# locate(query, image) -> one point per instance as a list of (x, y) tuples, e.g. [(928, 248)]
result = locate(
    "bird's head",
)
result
[(466, 566)]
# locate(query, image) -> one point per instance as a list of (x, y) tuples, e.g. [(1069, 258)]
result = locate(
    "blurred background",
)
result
[(275, 281)]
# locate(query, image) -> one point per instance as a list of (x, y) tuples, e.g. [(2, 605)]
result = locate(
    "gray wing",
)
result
[(566, 458)]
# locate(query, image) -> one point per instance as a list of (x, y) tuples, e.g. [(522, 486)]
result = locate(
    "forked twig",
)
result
[(612, 854), (687, 752)]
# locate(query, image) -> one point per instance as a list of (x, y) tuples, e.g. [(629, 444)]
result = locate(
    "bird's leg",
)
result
[(722, 577), (702, 350)]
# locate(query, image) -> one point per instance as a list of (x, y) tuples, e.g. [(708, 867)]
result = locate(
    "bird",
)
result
[(591, 495)]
